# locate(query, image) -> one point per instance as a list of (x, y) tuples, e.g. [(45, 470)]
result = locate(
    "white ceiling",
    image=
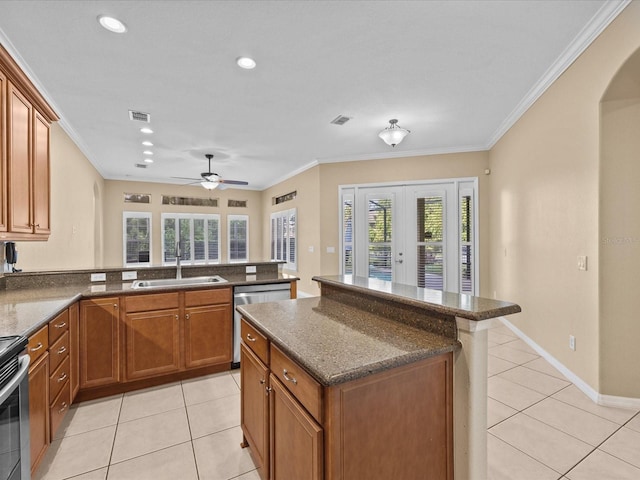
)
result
[(455, 73)]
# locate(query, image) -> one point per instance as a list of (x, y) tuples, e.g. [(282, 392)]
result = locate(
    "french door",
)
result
[(419, 234)]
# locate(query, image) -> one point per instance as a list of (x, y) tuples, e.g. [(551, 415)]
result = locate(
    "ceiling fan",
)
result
[(211, 180)]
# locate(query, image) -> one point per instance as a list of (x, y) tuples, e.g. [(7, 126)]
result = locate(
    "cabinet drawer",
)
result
[(197, 298), (58, 351), (59, 407), (38, 344), (298, 382), (58, 326), (255, 341), (145, 303), (59, 377)]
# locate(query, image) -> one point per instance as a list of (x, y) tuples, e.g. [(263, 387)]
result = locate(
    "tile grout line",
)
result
[(115, 434), (193, 448)]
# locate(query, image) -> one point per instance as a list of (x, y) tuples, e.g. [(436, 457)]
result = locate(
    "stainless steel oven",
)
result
[(14, 409)]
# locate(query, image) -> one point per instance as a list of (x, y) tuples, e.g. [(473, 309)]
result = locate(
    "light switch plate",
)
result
[(251, 269), (130, 275), (331, 249), (98, 277), (582, 262)]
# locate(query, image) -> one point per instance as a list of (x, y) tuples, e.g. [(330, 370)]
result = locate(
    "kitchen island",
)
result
[(374, 379)]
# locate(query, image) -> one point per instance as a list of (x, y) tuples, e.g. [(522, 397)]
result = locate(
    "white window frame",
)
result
[(285, 238), (125, 217), (231, 218), (191, 217)]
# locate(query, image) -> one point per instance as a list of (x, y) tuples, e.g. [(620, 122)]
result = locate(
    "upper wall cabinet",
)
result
[(25, 118)]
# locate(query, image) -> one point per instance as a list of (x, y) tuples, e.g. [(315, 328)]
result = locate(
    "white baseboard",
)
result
[(595, 396)]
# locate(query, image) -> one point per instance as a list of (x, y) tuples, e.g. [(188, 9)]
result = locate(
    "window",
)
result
[(347, 232), (238, 237), (199, 237), (283, 234), (136, 248), (467, 274)]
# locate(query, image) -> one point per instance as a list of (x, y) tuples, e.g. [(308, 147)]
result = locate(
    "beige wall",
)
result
[(307, 203), (544, 203), (75, 241), (115, 206)]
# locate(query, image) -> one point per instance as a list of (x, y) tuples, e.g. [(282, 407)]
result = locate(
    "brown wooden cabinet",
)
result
[(208, 327), (254, 417), (74, 348), (38, 395), (99, 342), (25, 118), (397, 423)]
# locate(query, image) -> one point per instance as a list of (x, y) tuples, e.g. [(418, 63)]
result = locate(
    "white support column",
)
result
[(470, 401)]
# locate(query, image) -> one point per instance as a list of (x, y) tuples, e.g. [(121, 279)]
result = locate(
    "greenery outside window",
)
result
[(199, 237), (238, 238)]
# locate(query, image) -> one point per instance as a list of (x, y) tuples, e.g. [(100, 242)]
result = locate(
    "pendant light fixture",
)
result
[(394, 133)]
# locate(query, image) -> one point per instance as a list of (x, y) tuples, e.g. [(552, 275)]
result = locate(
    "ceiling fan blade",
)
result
[(234, 182), (188, 178)]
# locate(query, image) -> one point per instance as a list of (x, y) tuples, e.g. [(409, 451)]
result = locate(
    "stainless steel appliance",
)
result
[(14, 409), (248, 294)]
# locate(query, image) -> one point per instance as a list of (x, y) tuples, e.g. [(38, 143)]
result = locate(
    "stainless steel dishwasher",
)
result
[(248, 294)]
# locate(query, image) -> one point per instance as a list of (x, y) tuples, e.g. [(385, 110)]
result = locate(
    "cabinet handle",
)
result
[(115, 305), (62, 377), (37, 347), (286, 376), (250, 338), (37, 225), (187, 316), (177, 317), (64, 407), (61, 325), (268, 390), (262, 381), (61, 350)]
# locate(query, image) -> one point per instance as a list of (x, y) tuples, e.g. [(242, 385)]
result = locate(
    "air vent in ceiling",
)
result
[(340, 120), (140, 165), (139, 116)]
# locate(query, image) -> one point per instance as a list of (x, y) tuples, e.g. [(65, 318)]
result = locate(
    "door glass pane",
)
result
[(466, 245), (347, 236), (137, 240), (430, 239), (292, 237), (380, 235), (213, 239), (238, 240)]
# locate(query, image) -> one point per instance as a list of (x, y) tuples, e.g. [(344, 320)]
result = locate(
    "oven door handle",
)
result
[(17, 378)]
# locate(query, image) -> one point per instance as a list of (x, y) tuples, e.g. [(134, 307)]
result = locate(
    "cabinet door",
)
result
[(19, 161), (74, 348), (254, 408), (39, 409), (208, 334), (99, 342), (3, 154), (152, 343), (296, 439), (41, 223)]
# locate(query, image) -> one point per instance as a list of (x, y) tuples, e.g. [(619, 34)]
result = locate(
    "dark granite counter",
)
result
[(336, 342), (445, 303), (24, 310)]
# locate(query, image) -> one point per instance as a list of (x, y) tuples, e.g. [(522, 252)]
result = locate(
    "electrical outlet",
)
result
[(98, 277), (250, 269), (130, 275), (572, 342)]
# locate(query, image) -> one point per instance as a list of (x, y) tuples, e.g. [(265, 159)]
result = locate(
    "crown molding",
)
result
[(601, 20)]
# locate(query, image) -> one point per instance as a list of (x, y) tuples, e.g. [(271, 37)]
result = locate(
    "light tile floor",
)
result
[(540, 427)]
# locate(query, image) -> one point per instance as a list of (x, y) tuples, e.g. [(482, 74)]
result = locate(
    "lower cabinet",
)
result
[(99, 342), (393, 424), (39, 408)]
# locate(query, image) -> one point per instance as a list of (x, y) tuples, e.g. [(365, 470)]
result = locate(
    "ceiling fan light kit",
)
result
[(394, 133), (211, 180)]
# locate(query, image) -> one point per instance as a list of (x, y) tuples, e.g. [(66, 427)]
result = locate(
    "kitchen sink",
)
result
[(177, 282)]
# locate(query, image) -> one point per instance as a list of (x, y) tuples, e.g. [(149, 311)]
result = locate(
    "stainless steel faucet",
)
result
[(179, 266)]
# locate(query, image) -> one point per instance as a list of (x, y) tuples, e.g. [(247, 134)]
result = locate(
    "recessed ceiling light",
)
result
[(147, 152), (147, 143), (148, 160), (112, 24), (146, 130), (246, 63)]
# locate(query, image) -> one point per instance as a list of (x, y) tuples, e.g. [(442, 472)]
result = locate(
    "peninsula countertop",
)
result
[(336, 342), (23, 311)]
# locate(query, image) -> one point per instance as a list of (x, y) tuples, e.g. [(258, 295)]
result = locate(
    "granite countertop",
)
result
[(336, 343), (24, 311), (447, 303)]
